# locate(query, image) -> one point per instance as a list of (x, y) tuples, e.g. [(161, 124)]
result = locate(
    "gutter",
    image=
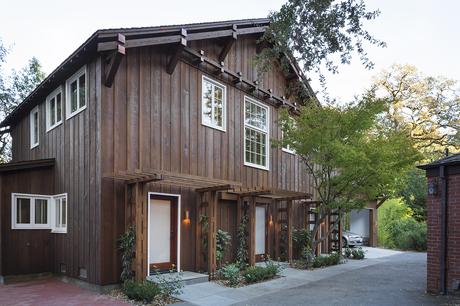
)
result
[(443, 208)]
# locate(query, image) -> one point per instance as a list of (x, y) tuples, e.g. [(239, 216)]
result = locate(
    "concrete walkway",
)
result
[(329, 286)]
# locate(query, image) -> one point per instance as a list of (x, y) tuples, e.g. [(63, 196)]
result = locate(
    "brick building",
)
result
[(443, 209)]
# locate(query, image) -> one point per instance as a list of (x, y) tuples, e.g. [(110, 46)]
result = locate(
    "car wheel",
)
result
[(344, 243)]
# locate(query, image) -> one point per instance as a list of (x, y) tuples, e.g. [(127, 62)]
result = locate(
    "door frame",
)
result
[(178, 198), (259, 257)]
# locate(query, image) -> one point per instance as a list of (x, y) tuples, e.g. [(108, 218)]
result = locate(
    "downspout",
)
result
[(443, 257)]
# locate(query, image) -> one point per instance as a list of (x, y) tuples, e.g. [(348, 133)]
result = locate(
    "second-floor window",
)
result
[(76, 93), (54, 109), (34, 127), (213, 104), (256, 127)]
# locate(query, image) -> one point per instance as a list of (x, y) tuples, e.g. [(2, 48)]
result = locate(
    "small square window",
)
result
[(30, 211)]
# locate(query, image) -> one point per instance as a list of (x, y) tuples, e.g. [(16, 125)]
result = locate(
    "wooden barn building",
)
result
[(156, 127)]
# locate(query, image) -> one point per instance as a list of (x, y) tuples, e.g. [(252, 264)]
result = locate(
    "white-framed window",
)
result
[(33, 211), (213, 104), (34, 127), (60, 213), (30, 211), (76, 93), (256, 134), (54, 109)]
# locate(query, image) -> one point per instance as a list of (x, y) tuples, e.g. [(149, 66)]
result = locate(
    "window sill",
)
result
[(256, 166), (49, 129), (34, 146), (214, 127), (59, 231), (75, 112), (288, 151)]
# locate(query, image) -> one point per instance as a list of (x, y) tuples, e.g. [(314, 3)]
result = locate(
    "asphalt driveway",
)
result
[(394, 280)]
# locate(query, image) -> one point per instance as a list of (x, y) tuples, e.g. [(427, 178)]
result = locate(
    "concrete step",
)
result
[(187, 277)]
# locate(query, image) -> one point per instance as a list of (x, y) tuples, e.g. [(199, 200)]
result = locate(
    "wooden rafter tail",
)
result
[(228, 44), (179, 49)]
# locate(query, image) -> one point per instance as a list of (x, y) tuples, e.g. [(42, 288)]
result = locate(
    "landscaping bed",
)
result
[(234, 275)]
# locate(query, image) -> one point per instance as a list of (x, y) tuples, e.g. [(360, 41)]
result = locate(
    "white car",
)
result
[(350, 239)]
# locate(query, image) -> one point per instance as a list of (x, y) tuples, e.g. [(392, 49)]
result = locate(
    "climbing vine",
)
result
[(127, 246), (242, 251)]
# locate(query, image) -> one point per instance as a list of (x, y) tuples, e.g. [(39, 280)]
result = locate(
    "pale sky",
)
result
[(424, 33)]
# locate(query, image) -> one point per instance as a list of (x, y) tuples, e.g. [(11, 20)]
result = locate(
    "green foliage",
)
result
[(259, 273), (127, 245), (231, 274), (350, 158), (399, 229), (142, 292), (317, 33), (300, 239), (327, 260), (204, 223), (223, 241), (358, 253), (414, 192), (242, 250)]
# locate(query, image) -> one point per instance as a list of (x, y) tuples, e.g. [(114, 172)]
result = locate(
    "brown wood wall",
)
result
[(151, 119), (75, 146)]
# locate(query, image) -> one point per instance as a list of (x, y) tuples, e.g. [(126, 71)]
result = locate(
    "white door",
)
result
[(160, 231), (260, 229)]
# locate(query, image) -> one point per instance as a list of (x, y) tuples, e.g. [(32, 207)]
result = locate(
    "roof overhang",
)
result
[(109, 40), (27, 165)]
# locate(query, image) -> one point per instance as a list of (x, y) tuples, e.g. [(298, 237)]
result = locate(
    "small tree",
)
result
[(349, 157)]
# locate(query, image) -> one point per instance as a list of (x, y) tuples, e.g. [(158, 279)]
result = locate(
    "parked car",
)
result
[(351, 239)]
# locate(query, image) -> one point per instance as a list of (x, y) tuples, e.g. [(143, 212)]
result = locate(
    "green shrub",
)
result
[(258, 273), (300, 240), (347, 252), (142, 292), (231, 274), (127, 247), (326, 260), (409, 235), (223, 239), (358, 253)]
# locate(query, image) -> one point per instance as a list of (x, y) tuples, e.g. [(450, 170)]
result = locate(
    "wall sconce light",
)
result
[(187, 217), (270, 220)]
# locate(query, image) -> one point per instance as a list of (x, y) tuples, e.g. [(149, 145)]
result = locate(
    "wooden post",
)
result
[(339, 235), (239, 212), (212, 220), (138, 221), (198, 257), (252, 232), (277, 229), (290, 223)]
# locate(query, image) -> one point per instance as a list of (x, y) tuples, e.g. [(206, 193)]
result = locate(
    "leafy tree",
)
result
[(14, 88), (414, 191), (318, 33), (349, 157), (426, 108)]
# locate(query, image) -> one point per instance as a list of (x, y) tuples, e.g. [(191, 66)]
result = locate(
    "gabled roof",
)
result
[(109, 39), (448, 160)]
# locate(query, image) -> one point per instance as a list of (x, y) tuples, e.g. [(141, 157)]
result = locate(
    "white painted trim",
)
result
[(74, 77), (55, 229), (32, 198), (224, 102), (267, 132), (178, 196), (36, 109), (48, 110)]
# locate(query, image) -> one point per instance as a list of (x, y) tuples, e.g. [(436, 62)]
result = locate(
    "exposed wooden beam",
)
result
[(179, 49), (228, 44), (114, 61), (215, 188)]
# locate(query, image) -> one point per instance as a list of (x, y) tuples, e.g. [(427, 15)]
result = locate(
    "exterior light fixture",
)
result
[(187, 217), (270, 220)]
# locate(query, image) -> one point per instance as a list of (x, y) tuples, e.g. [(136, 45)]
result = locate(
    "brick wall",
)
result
[(453, 235)]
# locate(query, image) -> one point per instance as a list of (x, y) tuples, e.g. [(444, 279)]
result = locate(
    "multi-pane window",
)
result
[(60, 215), (256, 143), (76, 93), (54, 109), (213, 104), (34, 127), (30, 211)]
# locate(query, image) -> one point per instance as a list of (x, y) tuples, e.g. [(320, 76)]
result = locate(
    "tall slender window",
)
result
[(76, 93), (34, 127), (54, 109), (213, 104), (256, 127)]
